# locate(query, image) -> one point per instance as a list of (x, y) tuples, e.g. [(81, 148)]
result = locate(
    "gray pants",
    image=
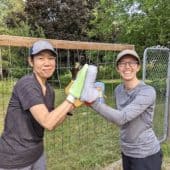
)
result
[(40, 164)]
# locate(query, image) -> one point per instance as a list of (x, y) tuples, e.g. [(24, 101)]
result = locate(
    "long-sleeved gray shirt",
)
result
[(134, 114)]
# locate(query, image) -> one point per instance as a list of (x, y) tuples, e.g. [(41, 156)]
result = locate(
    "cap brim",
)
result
[(55, 54)]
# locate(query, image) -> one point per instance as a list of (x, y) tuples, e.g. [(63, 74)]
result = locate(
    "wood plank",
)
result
[(18, 41)]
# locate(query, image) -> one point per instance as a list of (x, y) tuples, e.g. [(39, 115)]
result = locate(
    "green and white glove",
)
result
[(77, 86)]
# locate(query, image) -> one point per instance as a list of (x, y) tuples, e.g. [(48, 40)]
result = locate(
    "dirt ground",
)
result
[(166, 164)]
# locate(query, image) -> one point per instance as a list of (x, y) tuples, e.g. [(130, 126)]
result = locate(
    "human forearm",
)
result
[(109, 113), (58, 115), (49, 120)]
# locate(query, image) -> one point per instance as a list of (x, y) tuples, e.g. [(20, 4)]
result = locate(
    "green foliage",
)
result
[(17, 72), (23, 29), (92, 138), (60, 20), (105, 21), (65, 79), (8, 6), (149, 27), (6, 87), (108, 72), (13, 20), (142, 23), (12, 24)]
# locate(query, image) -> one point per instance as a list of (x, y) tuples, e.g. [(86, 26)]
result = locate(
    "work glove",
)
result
[(76, 87), (77, 102), (90, 93)]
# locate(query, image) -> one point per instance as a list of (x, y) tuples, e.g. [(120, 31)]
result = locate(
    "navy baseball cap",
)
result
[(41, 45)]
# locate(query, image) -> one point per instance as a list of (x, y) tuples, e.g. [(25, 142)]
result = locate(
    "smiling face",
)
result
[(43, 64), (128, 68)]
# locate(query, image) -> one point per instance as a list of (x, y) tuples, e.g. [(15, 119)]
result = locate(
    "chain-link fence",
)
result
[(156, 71)]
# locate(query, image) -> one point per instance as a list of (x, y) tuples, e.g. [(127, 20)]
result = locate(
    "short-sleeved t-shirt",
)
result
[(21, 142)]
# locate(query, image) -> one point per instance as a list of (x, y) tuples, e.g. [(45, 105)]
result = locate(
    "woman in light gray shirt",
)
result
[(135, 103)]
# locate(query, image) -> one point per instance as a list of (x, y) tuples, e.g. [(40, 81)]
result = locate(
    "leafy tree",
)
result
[(8, 8), (66, 19), (106, 19), (141, 22), (13, 22), (148, 27)]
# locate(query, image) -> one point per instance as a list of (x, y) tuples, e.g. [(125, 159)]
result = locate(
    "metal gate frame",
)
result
[(166, 135)]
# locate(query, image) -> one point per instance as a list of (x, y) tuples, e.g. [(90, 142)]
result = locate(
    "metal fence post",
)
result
[(168, 130)]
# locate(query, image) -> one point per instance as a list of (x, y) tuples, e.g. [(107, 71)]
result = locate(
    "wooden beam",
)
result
[(18, 41)]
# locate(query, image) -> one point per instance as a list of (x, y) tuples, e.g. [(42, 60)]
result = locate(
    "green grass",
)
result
[(5, 92), (166, 155), (85, 141), (166, 148), (159, 119)]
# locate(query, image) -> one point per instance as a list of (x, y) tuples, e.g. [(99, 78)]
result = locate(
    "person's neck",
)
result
[(131, 84), (42, 83)]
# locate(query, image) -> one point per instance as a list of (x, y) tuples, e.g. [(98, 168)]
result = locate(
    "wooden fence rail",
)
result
[(8, 40)]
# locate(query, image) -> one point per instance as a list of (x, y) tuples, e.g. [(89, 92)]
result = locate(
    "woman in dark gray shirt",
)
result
[(135, 103), (31, 110)]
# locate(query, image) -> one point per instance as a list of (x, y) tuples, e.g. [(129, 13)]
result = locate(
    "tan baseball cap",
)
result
[(127, 52)]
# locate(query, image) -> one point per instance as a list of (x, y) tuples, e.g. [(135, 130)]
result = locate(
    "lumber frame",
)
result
[(19, 41)]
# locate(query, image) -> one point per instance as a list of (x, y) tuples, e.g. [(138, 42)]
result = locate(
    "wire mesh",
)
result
[(85, 140), (80, 142), (155, 72)]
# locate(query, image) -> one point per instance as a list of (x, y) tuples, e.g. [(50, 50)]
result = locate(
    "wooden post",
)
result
[(1, 72)]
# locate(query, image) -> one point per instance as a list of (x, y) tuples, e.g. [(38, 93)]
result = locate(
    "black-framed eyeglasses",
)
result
[(130, 63)]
